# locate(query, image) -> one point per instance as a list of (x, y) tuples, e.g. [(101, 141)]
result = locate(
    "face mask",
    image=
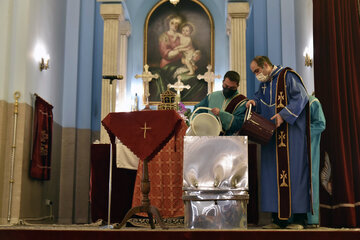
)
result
[(228, 92), (261, 77)]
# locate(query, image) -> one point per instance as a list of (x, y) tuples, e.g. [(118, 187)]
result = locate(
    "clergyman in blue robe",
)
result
[(294, 114)]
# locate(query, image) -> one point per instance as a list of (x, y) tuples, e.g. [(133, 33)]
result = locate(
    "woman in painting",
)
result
[(169, 40), (171, 63)]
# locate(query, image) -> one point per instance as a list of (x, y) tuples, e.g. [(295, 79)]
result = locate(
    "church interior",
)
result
[(83, 65)]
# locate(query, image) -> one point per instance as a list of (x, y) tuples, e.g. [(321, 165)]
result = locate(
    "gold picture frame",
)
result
[(178, 40)]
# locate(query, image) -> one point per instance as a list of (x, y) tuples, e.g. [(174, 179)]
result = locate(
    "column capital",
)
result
[(238, 9), (112, 11), (125, 28)]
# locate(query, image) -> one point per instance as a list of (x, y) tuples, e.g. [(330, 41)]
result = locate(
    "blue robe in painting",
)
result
[(231, 122), (317, 126), (294, 114)]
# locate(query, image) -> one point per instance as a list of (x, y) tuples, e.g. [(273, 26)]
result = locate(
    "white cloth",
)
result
[(125, 158)]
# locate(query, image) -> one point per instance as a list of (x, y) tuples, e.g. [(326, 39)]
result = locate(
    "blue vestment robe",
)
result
[(317, 126), (294, 114), (231, 122)]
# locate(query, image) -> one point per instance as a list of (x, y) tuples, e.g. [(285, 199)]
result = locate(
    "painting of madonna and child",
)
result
[(179, 42)]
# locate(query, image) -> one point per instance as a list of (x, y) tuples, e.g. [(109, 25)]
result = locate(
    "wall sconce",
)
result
[(174, 2), (41, 56), (308, 59), (44, 63)]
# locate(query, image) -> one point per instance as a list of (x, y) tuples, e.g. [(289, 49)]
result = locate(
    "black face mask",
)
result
[(228, 92)]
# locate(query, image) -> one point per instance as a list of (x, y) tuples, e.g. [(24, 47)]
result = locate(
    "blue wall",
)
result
[(71, 64), (78, 64), (85, 73), (270, 32), (97, 70)]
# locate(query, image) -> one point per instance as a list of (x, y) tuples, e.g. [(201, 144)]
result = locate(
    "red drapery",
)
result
[(42, 138), (122, 185), (337, 84)]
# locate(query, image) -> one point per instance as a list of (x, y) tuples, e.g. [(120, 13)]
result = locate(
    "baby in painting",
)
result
[(189, 55)]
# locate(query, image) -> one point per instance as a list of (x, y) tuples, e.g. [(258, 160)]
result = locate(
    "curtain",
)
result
[(337, 83), (42, 139)]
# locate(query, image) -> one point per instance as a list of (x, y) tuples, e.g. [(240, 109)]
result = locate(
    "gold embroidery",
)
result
[(264, 88), (269, 105), (145, 128), (291, 112), (282, 137), (281, 97), (283, 177)]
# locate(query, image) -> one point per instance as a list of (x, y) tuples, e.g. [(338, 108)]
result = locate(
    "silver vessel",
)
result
[(215, 182)]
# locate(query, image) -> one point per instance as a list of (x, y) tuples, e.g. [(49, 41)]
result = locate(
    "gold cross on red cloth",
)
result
[(133, 130), (145, 128)]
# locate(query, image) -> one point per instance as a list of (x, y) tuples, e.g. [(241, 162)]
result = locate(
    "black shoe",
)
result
[(295, 226), (277, 221), (271, 226), (299, 221)]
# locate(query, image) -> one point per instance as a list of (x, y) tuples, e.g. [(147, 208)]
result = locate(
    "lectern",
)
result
[(145, 133)]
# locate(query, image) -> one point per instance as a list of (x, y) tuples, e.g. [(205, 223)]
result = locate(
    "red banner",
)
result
[(42, 136)]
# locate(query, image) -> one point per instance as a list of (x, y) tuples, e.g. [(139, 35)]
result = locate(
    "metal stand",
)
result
[(111, 78)]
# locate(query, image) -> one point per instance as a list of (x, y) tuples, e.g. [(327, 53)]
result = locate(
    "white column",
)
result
[(237, 14), (121, 96), (112, 15)]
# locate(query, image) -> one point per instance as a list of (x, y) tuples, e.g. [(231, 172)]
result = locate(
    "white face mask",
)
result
[(262, 78)]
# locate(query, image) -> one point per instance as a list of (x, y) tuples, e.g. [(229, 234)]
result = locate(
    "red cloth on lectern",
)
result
[(163, 145), (129, 127)]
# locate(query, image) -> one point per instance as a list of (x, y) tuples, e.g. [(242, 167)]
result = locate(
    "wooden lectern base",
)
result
[(145, 203)]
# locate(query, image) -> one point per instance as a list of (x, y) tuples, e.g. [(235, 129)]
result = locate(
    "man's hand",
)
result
[(215, 111), (278, 119), (252, 102)]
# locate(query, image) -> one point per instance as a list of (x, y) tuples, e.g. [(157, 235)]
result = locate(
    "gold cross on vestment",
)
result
[(282, 137), (283, 177), (145, 128), (264, 88), (280, 98)]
